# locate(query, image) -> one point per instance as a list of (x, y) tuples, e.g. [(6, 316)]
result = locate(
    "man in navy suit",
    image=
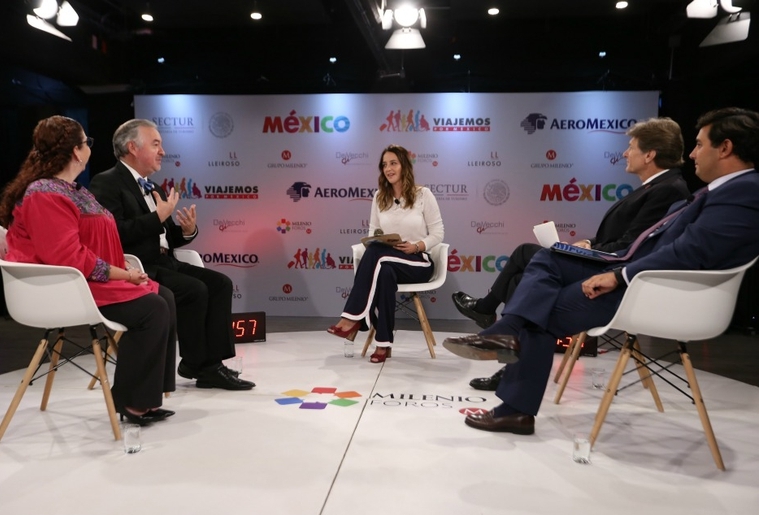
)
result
[(716, 229), (655, 150), (143, 216)]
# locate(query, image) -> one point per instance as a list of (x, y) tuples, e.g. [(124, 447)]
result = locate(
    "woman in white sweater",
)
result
[(402, 207)]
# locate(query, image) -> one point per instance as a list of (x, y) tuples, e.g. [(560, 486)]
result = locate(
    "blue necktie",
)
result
[(145, 185)]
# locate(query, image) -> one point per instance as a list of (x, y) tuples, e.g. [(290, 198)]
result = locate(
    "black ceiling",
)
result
[(214, 47)]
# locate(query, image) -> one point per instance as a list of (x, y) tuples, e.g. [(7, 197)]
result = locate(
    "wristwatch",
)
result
[(618, 276)]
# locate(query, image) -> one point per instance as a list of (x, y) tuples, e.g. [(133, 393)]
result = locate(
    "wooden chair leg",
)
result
[(57, 348), (104, 383), (646, 376), (564, 359), (571, 358), (112, 350), (368, 342), (611, 388), (425, 323), (24, 384), (700, 406)]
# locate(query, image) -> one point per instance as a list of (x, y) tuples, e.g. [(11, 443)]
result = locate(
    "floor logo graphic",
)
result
[(307, 399)]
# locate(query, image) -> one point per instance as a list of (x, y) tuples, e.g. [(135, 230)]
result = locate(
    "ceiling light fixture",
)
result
[(256, 14), (493, 11), (621, 5), (47, 10), (146, 14), (730, 29), (405, 38)]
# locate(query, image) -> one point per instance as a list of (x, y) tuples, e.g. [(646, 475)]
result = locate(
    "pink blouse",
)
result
[(59, 223)]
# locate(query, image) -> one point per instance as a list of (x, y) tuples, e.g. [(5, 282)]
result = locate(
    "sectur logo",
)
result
[(308, 399)]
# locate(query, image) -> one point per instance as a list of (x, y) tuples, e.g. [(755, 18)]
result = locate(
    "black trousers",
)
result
[(204, 310), (378, 275), (146, 363), (507, 281)]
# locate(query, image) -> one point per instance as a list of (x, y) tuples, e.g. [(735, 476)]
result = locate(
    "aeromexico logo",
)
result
[(534, 122), (298, 123)]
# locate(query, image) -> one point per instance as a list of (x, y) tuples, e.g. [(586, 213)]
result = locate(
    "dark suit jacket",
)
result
[(638, 211), (139, 228), (717, 231)]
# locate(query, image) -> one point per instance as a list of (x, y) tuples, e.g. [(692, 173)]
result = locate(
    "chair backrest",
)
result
[(439, 255), (3, 243), (189, 256), (50, 296), (134, 262), (683, 305)]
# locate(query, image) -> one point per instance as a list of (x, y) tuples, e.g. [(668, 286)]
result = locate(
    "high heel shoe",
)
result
[(380, 358), (349, 334), (141, 420)]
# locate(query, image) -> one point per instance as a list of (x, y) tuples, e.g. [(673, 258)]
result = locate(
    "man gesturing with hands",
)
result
[(143, 213)]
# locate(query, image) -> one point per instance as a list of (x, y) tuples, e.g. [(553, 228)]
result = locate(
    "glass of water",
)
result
[(581, 450)]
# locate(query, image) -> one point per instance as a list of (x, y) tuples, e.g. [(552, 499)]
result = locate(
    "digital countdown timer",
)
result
[(249, 327)]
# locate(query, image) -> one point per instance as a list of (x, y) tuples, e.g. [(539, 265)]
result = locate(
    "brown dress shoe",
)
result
[(503, 347), (518, 423)]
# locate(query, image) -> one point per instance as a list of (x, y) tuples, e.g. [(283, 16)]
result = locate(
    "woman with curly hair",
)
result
[(52, 220)]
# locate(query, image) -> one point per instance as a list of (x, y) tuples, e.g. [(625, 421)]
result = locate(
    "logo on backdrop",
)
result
[(174, 124), (468, 124), (236, 292), (233, 260), (187, 188), (225, 225), (538, 121), (572, 192), (286, 155), (300, 190), (287, 289), (319, 259), (424, 158), (285, 226), (292, 124), (492, 161), (362, 231), (551, 156), (173, 159), (413, 121), (461, 263), (615, 158), (221, 125), (318, 398), (231, 192), (496, 192), (343, 291), (352, 158), (230, 161), (482, 227), (569, 228), (449, 191)]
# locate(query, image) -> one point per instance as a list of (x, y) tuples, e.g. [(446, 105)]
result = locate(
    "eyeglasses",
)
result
[(90, 141)]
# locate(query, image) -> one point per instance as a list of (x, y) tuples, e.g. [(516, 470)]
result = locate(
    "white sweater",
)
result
[(420, 223)]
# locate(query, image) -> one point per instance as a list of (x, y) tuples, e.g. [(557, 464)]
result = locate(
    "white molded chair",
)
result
[(439, 255), (682, 305), (189, 256), (53, 297)]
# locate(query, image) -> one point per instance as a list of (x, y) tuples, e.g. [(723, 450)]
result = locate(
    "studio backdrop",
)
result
[(283, 184)]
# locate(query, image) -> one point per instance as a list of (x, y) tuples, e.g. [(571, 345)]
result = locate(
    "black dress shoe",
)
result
[(141, 420), (221, 377), (466, 304), (518, 423), (189, 372), (159, 414), (503, 347), (489, 384)]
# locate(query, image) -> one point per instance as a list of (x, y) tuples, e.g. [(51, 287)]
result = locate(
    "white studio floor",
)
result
[(385, 439)]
